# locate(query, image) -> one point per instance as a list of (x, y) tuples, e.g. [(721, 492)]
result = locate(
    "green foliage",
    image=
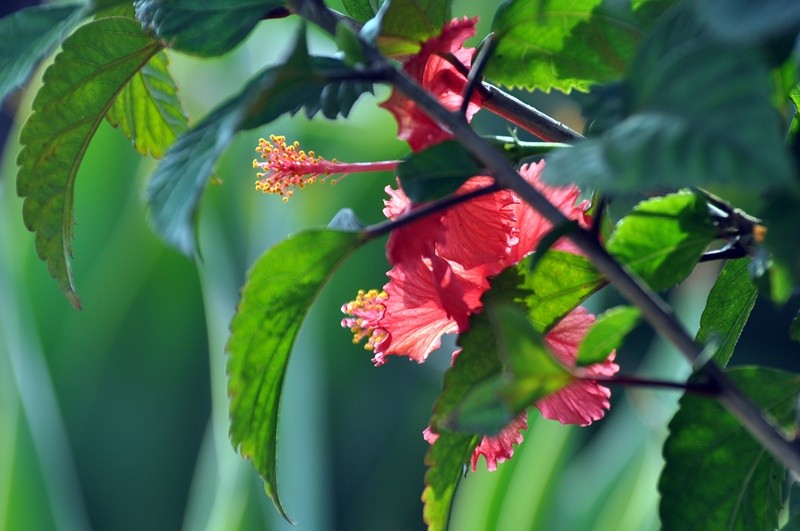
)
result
[(94, 65), (436, 172), (314, 83), (681, 119), (406, 25), (280, 288), (716, 475), (28, 36), (361, 10), (561, 44), (445, 461), (729, 305), (662, 239), (478, 361), (558, 283), (607, 334), (782, 217), (747, 21), (148, 110), (203, 28)]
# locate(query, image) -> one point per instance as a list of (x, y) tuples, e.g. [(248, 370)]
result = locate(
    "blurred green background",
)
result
[(115, 417)]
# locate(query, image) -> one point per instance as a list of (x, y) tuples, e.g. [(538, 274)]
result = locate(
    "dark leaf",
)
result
[(29, 35), (728, 306), (280, 288), (716, 475), (203, 28), (748, 21), (683, 120), (94, 65), (436, 172)]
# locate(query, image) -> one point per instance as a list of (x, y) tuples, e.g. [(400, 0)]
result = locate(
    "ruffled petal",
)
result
[(500, 447)]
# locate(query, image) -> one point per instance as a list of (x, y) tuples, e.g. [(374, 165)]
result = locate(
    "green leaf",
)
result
[(477, 362), (728, 306), (781, 215), (29, 35), (436, 172), (683, 120), (445, 461), (95, 63), (559, 282), (716, 475), (561, 44), (748, 21), (531, 373), (203, 28), (313, 83), (607, 334), (279, 290), (361, 10), (662, 239), (407, 24), (148, 110)]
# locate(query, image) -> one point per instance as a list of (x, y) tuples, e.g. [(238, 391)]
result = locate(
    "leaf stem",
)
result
[(701, 388)]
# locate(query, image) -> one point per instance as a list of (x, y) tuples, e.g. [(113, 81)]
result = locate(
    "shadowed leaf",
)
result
[(716, 475), (28, 36)]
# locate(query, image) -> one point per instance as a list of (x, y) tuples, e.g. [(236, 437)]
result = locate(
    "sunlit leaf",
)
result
[(148, 110), (406, 25), (28, 36), (203, 28), (95, 63), (280, 288), (559, 282), (662, 239), (437, 171), (607, 334), (716, 475), (728, 306), (561, 44), (314, 83), (682, 121)]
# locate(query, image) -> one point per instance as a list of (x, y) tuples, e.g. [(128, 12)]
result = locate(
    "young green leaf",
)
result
[(662, 239), (203, 28), (95, 63), (530, 373), (607, 334), (728, 306), (683, 122), (148, 110), (361, 10), (478, 361), (28, 36), (716, 475), (280, 288), (313, 83), (437, 171), (561, 44), (445, 461), (559, 282), (406, 25)]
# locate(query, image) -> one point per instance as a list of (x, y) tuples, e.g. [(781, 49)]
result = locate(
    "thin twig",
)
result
[(476, 72)]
